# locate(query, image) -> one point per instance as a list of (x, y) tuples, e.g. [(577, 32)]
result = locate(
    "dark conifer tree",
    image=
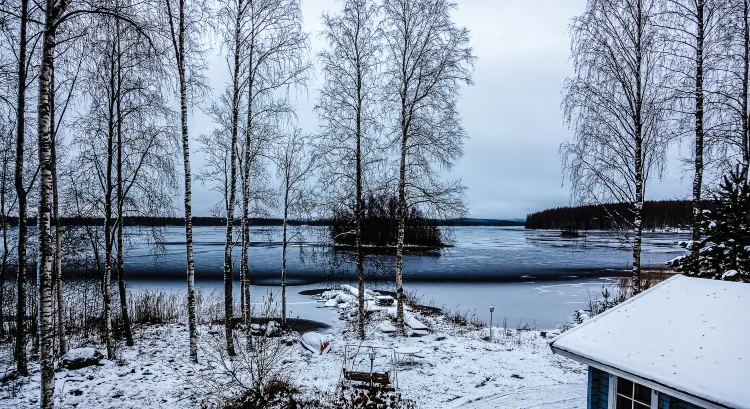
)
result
[(724, 250)]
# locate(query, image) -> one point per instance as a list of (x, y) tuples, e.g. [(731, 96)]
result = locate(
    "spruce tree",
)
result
[(724, 250)]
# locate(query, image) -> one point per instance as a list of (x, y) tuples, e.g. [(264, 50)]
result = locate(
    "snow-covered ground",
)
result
[(452, 366)]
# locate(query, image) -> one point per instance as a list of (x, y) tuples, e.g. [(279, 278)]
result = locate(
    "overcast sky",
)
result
[(512, 114)]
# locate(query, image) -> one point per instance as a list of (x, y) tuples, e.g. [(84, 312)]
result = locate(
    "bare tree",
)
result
[(99, 140), (21, 194), (233, 15), (145, 140), (347, 107), (183, 30), (57, 273), (429, 58), (694, 28), (732, 92), (617, 106), (274, 53), (7, 206), (53, 14), (295, 163)]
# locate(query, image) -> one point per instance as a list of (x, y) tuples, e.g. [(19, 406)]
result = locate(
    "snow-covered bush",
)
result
[(597, 306), (723, 252), (252, 378)]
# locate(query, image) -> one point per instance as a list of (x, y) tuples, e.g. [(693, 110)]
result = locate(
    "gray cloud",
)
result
[(512, 114)]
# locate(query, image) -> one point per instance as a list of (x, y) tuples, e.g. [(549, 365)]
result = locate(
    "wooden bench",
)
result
[(369, 380)]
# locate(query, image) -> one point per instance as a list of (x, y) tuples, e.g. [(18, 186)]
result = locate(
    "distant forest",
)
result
[(220, 221), (380, 225), (656, 214)]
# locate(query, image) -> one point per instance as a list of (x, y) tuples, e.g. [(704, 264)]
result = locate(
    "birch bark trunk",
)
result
[(46, 321), (121, 204), (62, 339), (401, 230), (744, 96), (192, 318), (108, 239), (283, 250), (229, 240), (359, 208), (244, 267), (4, 227), (20, 347), (699, 131), (639, 195)]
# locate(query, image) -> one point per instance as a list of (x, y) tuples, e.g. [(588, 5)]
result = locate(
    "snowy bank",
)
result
[(442, 365)]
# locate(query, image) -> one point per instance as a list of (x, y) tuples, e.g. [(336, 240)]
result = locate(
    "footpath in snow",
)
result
[(440, 364)]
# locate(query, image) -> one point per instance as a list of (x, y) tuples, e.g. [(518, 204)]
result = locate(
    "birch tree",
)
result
[(125, 144), (21, 194), (617, 107), (53, 14), (347, 106), (21, 46), (694, 28), (99, 143), (295, 163), (275, 53), (233, 16), (732, 93), (429, 58), (145, 141), (7, 198), (184, 27)]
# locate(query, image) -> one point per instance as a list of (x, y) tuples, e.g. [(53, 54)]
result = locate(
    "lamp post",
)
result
[(492, 309), (372, 362)]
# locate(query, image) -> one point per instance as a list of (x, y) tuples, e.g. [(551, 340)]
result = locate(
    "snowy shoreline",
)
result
[(454, 365)]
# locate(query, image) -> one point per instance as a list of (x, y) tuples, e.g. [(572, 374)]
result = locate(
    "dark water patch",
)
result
[(302, 325), (311, 274)]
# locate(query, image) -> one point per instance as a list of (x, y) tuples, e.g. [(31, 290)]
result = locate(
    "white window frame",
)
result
[(612, 398)]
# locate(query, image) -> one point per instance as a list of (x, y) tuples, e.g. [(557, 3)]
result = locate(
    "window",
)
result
[(627, 394)]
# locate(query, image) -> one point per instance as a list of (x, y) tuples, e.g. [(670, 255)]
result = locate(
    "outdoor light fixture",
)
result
[(492, 309), (372, 362)]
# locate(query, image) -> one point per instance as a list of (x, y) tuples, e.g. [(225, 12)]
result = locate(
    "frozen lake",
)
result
[(481, 254), (533, 277)]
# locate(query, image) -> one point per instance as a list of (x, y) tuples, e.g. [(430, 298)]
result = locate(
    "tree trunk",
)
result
[(284, 247), (358, 212), (63, 344), (192, 319), (639, 174), (699, 132), (20, 350), (401, 229), (229, 240), (744, 96), (244, 267), (45, 211), (121, 204), (4, 226), (108, 239)]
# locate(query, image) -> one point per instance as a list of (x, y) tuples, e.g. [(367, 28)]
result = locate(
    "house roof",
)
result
[(688, 335)]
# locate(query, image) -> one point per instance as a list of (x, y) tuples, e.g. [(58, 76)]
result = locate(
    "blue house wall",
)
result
[(669, 402), (598, 393)]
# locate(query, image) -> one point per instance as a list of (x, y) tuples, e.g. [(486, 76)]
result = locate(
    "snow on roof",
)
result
[(691, 335)]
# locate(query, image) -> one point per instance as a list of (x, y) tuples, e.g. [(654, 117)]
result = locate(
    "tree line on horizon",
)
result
[(661, 214)]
